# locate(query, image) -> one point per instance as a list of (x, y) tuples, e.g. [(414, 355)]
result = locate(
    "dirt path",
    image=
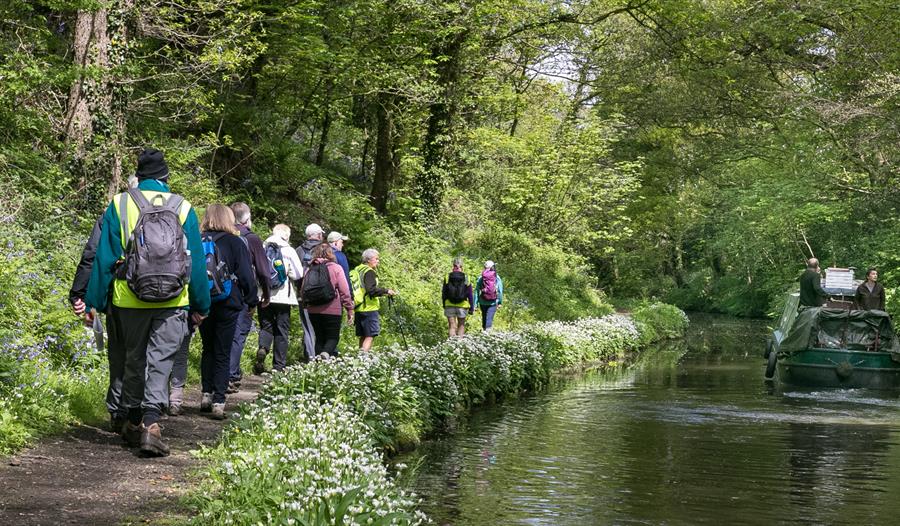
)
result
[(88, 476)]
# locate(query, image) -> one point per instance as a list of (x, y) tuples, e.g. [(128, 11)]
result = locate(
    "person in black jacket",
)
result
[(217, 331), (870, 293), (115, 352), (811, 292), (261, 268)]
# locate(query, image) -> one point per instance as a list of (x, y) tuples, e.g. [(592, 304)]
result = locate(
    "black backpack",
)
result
[(456, 287), (317, 288), (157, 263)]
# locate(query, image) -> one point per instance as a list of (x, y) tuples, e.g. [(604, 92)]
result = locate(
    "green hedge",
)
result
[(309, 450)]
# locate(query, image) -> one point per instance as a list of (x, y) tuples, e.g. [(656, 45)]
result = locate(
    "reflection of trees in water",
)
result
[(715, 334), (838, 474)]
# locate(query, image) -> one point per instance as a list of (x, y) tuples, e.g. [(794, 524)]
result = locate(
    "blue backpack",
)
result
[(220, 277)]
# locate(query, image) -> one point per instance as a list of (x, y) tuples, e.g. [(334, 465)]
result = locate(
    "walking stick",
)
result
[(399, 322)]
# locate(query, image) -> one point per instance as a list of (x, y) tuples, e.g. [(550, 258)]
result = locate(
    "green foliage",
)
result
[(659, 321), (689, 152)]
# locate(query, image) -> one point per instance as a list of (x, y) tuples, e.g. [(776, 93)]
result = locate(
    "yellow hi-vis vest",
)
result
[(122, 295), (462, 304), (362, 302)]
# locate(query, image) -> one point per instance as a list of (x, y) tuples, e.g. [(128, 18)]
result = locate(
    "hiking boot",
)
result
[(233, 387), (131, 434), (206, 403), (176, 395), (260, 366), (175, 410), (218, 411), (151, 441), (116, 423)]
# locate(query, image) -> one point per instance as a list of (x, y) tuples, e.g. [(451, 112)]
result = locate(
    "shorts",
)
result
[(367, 323), (455, 312)]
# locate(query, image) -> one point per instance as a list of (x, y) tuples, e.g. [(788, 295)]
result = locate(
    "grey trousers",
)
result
[(152, 338), (179, 371), (115, 354), (309, 336)]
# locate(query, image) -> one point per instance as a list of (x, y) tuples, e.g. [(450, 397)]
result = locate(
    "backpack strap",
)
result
[(123, 215), (174, 204), (139, 199)]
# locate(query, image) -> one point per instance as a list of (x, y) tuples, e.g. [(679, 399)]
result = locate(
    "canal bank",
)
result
[(690, 434), (310, 448)]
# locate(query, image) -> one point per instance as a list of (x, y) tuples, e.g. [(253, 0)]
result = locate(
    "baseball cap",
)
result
[(334, 236), (314, 229)]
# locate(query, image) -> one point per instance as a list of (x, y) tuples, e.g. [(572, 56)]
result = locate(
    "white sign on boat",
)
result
[(839, 278)]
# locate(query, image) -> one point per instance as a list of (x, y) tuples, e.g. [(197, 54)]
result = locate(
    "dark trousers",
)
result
[(327, 328), (115, 354), (275, 327), (244, 323), (217, 332), (487, 315)]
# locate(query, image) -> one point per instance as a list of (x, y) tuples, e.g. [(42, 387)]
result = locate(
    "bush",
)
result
[(659, 321)]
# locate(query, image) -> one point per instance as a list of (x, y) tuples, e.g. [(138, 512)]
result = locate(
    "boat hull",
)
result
[(839, 368)]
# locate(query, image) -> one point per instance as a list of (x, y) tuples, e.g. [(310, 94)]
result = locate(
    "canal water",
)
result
[(689, 435)]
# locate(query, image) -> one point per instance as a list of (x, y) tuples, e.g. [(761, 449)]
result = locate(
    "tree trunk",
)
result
[(367, 143), (87, 95), (323, 137), (384, 164), (96, 122), (430, 183)]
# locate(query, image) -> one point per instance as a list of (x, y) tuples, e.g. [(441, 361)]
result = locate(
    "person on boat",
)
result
[(811, 292), (870, 293)]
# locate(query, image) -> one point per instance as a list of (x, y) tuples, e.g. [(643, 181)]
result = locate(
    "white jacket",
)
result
[(287, 295)]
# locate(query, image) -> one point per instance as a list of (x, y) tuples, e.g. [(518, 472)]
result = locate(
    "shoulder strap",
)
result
[(174, 204), (218, 235), (123, 215), (139, 199)]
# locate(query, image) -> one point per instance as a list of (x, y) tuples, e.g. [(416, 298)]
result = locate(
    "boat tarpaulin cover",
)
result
[(860, 330)]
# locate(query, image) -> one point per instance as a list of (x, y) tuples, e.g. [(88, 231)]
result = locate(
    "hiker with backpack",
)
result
[(243, 224), (457, 298), (314, 236), (488, 294), (284, 267), (150, 254), (324, 291), (364, 285), (232, 289)]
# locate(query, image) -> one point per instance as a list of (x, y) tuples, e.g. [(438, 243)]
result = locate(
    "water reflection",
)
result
[(689, 435)]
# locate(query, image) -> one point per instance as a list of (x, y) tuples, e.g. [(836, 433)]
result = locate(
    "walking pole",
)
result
[(399, 322)]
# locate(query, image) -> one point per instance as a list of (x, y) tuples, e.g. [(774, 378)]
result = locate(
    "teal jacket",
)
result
[(109, 250), (482, 301)]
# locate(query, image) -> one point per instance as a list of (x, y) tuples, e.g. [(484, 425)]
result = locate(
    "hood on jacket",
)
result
[(309, 244), (277, 240)]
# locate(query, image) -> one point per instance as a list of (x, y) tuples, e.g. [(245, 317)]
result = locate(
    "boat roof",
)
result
[(823, 327)]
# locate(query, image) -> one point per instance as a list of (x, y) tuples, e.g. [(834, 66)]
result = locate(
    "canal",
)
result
[(690, 434)]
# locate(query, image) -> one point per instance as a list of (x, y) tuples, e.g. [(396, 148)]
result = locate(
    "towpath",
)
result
[(87, 475)]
